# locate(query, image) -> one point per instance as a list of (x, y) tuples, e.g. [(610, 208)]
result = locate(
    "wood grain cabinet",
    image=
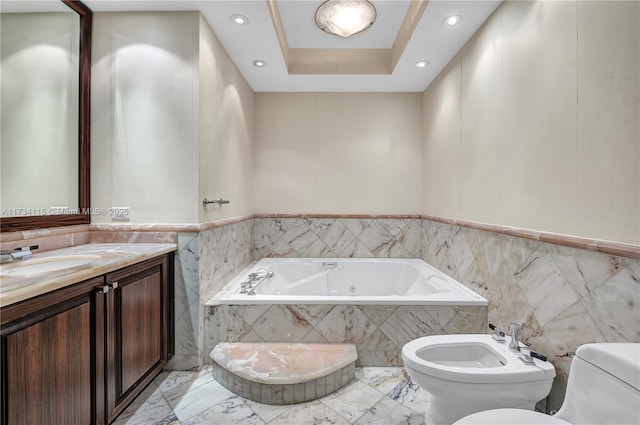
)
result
[(81, 354)]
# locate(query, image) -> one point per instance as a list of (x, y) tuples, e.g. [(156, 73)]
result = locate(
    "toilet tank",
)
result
[(604, 385)]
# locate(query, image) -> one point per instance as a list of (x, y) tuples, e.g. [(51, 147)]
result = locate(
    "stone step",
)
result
[(283, 373)]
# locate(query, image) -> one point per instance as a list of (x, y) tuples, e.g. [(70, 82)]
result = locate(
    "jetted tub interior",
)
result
[(377, 304), (346, 280)]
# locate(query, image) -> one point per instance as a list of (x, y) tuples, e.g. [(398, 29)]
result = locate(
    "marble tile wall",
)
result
[(337, 237), (205, 262), (563, 296), (378, 331)]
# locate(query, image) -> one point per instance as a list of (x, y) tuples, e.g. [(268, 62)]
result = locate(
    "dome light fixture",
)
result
[(239, 19), (422, 64), (258, 63), (452, 20), (345, 17)]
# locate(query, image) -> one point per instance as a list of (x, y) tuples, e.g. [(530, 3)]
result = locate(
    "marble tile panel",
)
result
[(353, 401), (572, 328), (149, 407), (389, 412), (345, 323), (544, 286), (313, 413), (586, 270), (407, 322), (250, 313), (620, 324), (267, 412), (312, 313), (384, 379), (282, 323), (410, 395), (377, 313), (231, 411)]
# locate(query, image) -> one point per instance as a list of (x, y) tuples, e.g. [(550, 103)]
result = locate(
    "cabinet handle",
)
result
[(114, 285), (103, 289)]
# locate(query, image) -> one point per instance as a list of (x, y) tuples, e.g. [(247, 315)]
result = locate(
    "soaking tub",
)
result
[(377, 304), (348, 281)]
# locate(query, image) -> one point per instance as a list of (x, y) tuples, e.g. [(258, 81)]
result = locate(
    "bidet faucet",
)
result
[(514, 330)]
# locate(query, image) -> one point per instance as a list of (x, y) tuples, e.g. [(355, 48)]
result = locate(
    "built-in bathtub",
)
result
[(376, 304), (348, 281)]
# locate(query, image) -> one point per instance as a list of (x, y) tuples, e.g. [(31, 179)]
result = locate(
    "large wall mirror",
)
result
[(45, 78)]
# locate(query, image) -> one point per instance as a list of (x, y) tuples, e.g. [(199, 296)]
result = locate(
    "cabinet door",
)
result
[(48, 360), (136, 331)]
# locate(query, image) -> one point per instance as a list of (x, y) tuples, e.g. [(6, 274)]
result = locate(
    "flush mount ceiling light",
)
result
[(345, 18), (451, 21), (239, 19), (422, 64), (259, 63)]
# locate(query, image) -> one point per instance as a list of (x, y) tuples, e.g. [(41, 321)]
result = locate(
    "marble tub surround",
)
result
[(564, 297), (343, 236), (378, 332), (101, 259)]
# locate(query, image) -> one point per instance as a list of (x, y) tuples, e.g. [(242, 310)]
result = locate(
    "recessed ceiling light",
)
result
[(450, 21), (422, 64), (239, 19), (259, 63)]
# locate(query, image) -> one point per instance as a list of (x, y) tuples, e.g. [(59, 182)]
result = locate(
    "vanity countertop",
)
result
[(51, 270)]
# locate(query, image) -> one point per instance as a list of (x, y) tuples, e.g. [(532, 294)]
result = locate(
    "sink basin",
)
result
[(41, 266)]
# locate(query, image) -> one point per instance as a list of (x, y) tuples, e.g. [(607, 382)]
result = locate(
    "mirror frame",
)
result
[(14, 224)]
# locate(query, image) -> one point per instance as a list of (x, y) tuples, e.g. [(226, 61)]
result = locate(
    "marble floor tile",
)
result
[(313, 413), (195, 398), (353, 401), (389, 412)]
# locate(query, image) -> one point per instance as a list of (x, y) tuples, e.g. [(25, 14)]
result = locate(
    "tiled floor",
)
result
[(378, 395)]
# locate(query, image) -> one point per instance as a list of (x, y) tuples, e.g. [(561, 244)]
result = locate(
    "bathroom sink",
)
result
[(40, 266)]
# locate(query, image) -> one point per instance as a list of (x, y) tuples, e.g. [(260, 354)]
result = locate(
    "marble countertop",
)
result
[(80, 263)]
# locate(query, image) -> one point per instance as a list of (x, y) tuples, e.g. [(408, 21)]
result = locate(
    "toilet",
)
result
[(466, 374), (603, 388)]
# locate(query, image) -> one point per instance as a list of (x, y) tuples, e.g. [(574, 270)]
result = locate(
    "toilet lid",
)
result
[(509, 417)]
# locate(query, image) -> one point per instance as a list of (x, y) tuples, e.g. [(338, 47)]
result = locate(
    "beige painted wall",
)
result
[(536, 122), (172, 120), (226, 132), (338, 153), (144, 115)]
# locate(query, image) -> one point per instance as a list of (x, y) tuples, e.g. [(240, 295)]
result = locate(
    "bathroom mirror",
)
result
[(45, 77)]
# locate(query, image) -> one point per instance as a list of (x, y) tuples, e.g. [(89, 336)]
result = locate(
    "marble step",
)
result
[(283, 373)]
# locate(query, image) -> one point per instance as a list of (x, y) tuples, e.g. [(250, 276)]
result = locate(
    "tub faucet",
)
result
[(514, 330)]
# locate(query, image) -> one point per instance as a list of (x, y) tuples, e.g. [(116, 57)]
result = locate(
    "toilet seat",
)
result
[(509, 417), (510, 369)]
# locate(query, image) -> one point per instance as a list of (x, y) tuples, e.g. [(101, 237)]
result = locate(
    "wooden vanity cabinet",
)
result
[(80, 354)]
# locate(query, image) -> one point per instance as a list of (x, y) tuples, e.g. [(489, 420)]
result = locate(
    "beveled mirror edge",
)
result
[(16, 224)]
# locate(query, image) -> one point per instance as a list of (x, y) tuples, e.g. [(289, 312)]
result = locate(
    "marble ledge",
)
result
[(101, 259), (42, 233), (597, 245), (338, 216)]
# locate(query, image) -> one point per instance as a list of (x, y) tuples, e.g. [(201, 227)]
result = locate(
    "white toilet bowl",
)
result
[(603, 389), (470, 373)]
